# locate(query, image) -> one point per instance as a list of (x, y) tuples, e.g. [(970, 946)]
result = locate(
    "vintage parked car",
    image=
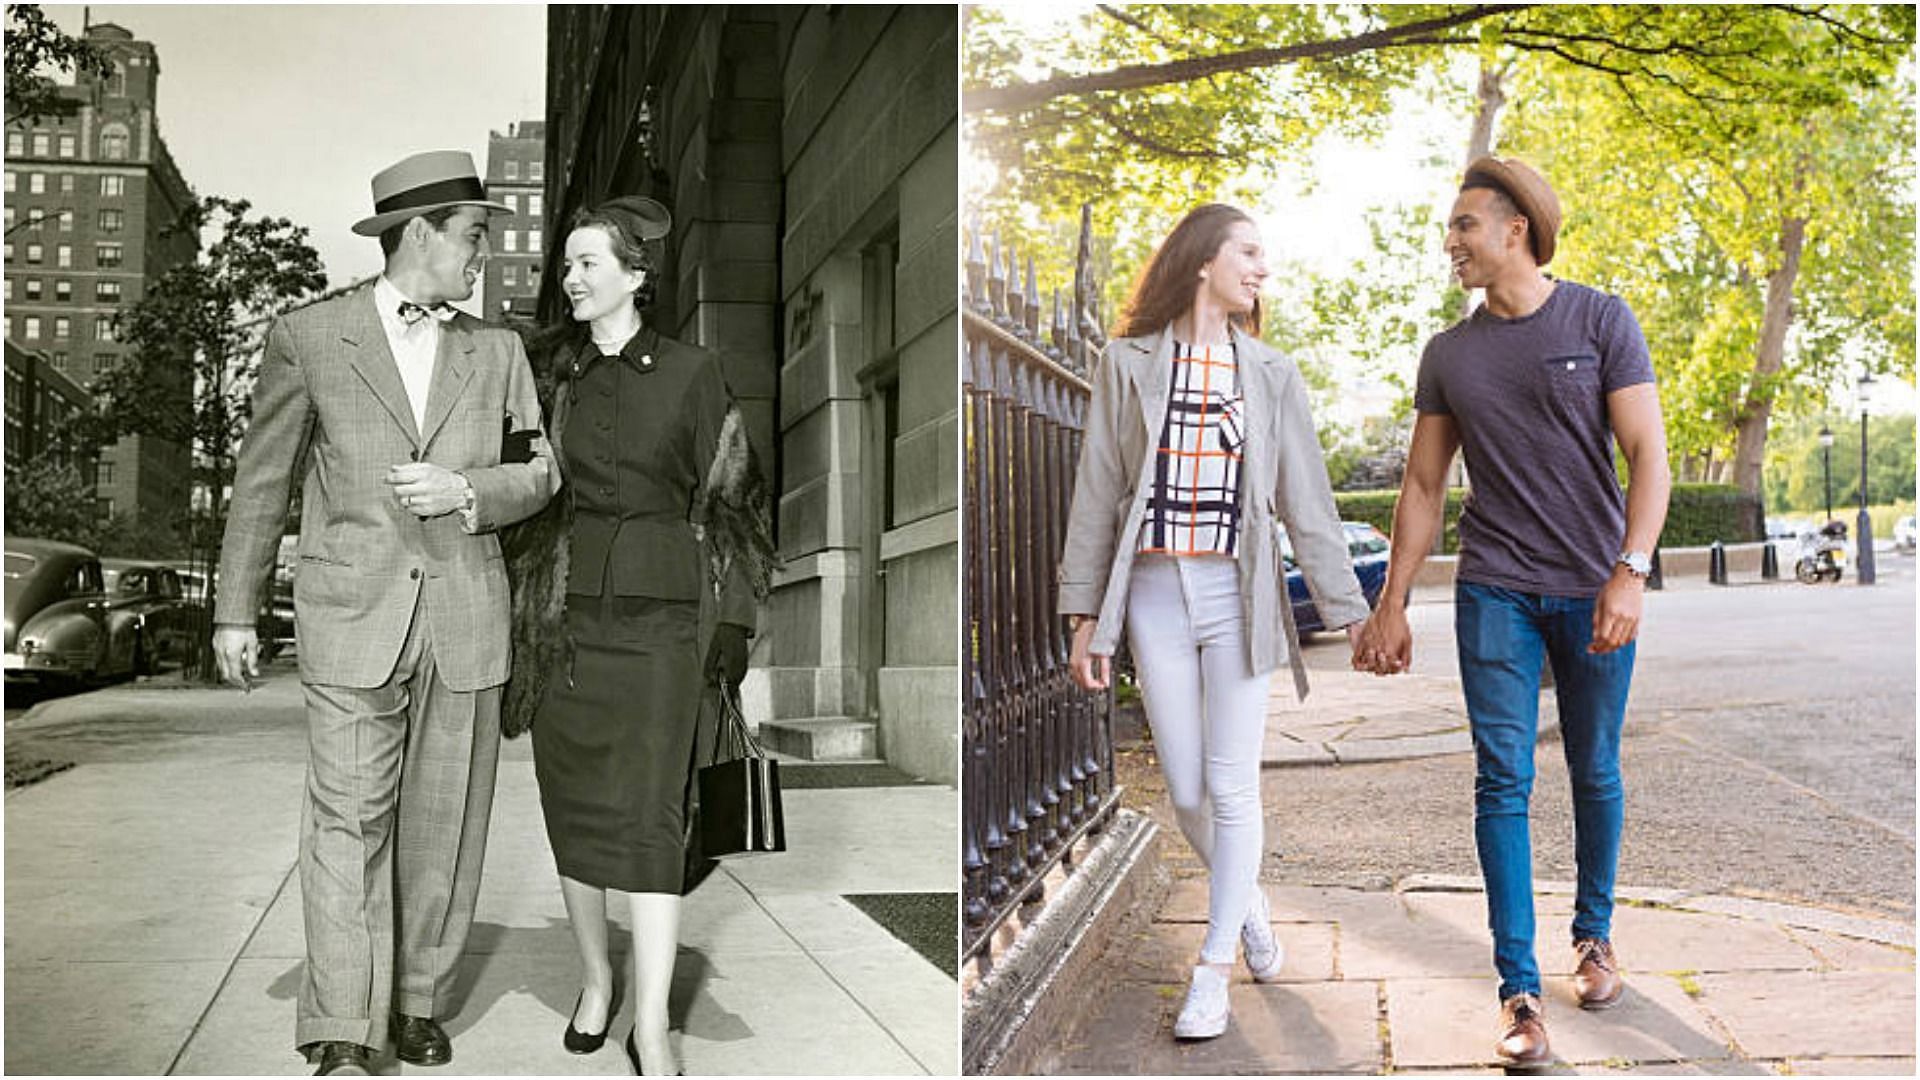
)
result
[(274, 625), (1904, 535), (63, 625), (155, 592), (1368, 548)]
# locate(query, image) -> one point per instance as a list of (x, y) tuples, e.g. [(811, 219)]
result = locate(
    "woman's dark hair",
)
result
[(1166, 287), (623, 225)]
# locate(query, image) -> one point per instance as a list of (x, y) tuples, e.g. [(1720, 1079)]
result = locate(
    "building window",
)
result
[(112, 186), (63, 290), (13, 182), (513, 169), (8, 212), (106, 256), (33, 328), (42, 144), (112, 221), (63, 256), (103, 473), (69, 146), (16, 143), (508, 277), (36, 183), (533, 275), (117, 81), (6, 288), (66, 183), (533, 205), (9, 251), (66, 220), (113, 142), (62, 328), (509, 241), (33, 288), (534, 169), (107, 291), (36, 254), (103, 328), (533, 242)]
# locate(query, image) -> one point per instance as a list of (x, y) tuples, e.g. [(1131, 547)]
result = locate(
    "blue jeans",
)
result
[(1504, 637)]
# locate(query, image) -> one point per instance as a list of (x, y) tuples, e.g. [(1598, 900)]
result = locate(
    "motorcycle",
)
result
[(1822, 555)]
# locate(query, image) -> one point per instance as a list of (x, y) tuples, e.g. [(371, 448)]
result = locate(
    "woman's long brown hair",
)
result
[(1166, 287)]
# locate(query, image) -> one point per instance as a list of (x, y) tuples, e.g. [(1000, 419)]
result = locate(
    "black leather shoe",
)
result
[(340, 1057), (580, 1042), (418, 1040), (633, 1056)]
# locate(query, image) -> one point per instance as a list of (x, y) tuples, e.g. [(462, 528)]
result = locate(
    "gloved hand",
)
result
[(727, 658)]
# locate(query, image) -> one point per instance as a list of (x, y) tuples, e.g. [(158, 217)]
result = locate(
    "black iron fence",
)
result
[(1037, 765)]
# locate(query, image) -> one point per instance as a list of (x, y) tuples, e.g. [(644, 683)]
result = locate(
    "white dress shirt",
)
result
[(414, 346)]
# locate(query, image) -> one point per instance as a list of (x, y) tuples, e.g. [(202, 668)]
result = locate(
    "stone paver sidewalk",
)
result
[(1402, 981)]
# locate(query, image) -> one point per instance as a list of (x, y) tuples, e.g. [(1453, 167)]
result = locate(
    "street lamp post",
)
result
[(1863, 566), (1826, 467)]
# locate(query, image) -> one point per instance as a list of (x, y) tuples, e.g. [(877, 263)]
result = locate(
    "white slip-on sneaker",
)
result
[(1263, 951), (1204, 1014)]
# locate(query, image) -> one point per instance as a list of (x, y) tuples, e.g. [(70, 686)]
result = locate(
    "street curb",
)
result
[(1799, 916)]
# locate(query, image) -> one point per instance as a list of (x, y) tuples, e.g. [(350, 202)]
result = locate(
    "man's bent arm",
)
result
[(1420, 510), (1634, 412)]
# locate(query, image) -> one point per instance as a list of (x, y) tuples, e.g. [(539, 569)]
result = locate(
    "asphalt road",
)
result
[(1769, 752)]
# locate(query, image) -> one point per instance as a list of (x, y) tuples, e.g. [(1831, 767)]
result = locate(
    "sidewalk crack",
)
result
[(227, 975)]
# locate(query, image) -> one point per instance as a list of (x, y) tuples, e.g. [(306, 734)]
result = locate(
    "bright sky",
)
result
[(295, 107)]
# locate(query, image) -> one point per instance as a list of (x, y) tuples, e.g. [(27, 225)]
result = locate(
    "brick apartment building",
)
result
[(88, 196), (516, 175)]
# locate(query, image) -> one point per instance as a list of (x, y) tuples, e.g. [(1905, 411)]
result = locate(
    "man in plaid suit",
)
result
[(388, 407)]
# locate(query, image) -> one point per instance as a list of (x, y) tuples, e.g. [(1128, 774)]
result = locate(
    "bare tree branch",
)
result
[(1138, 76)]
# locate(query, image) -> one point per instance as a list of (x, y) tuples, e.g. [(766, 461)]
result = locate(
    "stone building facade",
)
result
[(810, 157)]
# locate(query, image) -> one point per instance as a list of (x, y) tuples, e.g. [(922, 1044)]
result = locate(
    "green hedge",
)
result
[(1697, 514)]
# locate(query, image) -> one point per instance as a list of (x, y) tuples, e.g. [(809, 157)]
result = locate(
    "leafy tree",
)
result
[(34, 44), (48, 498), (196, 337), (1796, 483)]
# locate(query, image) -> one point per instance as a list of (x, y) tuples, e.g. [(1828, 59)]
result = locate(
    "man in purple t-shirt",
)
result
[(1536, 386)]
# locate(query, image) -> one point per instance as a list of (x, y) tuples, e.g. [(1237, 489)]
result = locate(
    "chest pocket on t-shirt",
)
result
[(1573, 381)]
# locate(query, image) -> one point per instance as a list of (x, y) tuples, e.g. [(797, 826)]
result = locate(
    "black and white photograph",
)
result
[(481, 540)]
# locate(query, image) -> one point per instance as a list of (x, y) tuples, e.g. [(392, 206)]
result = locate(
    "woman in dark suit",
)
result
[(639, 602)]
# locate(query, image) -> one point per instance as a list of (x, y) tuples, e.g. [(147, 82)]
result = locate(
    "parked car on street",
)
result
[(1904, 536), (61, 624), (1368, 548), (154, 593), (274, 624)]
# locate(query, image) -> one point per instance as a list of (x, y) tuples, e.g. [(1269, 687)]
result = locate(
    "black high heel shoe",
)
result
[(579, 1042), (633, 1056)]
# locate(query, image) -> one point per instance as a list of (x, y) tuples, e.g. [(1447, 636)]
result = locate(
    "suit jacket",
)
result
[(330, 411), (1283, 477)]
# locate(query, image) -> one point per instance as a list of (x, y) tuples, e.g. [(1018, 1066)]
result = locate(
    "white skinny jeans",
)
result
[(1208, 714)]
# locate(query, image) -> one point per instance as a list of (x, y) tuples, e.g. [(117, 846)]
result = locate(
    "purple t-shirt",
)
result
[(1529, 397)]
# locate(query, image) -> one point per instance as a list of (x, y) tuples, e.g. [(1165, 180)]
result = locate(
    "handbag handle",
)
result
[(734, 740)]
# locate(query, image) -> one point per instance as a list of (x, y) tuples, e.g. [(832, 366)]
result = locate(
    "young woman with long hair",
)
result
[(1198, 443)]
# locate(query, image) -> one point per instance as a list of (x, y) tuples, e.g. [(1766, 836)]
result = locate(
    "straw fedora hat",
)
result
[(422, 183), (1530, 192)]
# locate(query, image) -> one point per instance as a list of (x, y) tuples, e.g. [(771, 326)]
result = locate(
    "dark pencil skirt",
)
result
[(614, 750)]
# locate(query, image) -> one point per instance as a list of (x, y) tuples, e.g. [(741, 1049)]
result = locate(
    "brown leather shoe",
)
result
[(1597, 980), (1523, 1039)]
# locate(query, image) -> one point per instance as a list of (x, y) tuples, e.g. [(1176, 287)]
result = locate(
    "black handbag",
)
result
[(739, 803)]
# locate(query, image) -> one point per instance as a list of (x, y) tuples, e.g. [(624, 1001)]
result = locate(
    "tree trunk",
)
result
[(1492, 93), (1750, 445)]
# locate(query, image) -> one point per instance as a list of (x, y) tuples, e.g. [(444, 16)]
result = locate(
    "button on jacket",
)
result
[(1283, 478)]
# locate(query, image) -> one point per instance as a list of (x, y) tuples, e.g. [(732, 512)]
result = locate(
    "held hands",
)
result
[(1384, 643), (236, 649), (1089, 671), (1616, 611), (426, 490)]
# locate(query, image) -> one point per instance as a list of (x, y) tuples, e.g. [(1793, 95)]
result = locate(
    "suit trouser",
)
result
[(399, 792)]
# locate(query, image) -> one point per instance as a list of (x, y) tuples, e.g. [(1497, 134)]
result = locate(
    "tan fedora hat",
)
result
[(421, 183), (1530, 192)]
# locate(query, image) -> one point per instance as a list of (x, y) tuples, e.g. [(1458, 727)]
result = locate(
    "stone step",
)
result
[(823, 738)]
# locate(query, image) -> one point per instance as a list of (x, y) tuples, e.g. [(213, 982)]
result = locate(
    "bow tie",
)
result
[(411, 313)]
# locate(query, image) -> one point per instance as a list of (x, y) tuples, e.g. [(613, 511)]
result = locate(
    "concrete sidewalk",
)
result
[(1399, 981), (153, 915)]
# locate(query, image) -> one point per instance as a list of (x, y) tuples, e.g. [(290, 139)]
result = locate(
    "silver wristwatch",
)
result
[(1638, 563)]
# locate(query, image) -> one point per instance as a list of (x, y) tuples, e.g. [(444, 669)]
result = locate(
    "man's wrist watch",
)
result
[(1638, 563), (467, 500)]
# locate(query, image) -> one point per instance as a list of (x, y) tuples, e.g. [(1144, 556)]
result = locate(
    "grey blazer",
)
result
[(331, 414), (1283, 477)]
